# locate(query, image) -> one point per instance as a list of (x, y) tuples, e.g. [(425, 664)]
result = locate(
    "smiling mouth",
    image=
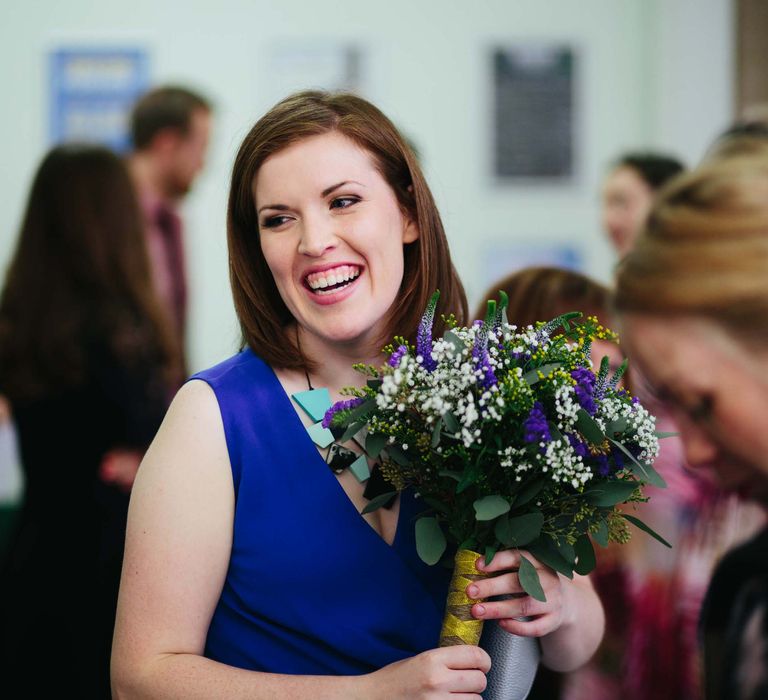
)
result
[(333, 280)]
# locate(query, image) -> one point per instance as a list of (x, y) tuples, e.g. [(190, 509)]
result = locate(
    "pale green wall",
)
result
[(654, 73)]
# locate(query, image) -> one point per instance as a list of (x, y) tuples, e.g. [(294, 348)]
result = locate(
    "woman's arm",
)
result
[(570, 623), (177, 553)]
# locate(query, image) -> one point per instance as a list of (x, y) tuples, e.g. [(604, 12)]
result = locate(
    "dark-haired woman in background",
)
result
[(628, 193), (88, 365)]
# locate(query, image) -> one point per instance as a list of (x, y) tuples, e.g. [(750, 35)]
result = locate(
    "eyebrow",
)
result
[(324, 193)]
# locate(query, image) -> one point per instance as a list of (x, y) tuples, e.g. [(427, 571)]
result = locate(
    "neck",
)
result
[(147, 176), (334, 361)]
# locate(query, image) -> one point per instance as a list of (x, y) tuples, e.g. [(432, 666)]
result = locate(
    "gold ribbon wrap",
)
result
[(459, 627)]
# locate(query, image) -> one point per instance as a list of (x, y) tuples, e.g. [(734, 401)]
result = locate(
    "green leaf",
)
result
[(661, 434), (585, 555), (362, 410), (529, 580), (532, 376), (601, 534), (490, 553), (436, 504), (490, 507), (398, 455), (639, 523), (617, 426), (454, 341), (589, 428), (430, 540), (452, 474), (609, 493), (374, 443), (468, 478), (546, 552), (436, 432), (567, 552), (644, 471), (378, 502), (519, 531), (451, 423), (351, 431), (374, 384), (529, 492)]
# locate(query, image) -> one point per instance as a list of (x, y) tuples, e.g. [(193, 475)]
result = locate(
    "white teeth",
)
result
[(319, 281)]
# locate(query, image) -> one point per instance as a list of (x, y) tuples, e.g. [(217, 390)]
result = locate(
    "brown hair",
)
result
[(705, 250), (79, 275), (264, 318), (542, 293), (163, 108)]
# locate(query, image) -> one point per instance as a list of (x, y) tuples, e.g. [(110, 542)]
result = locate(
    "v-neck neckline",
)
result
[(309, 445)]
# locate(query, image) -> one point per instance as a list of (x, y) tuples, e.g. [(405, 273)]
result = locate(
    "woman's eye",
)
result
[(701, 411), (344, 202), (273, 221)]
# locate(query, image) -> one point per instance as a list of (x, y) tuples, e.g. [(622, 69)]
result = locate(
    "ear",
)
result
[(410, 231)]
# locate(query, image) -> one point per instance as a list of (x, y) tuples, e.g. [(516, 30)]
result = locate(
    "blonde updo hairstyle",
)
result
[(704, 251)]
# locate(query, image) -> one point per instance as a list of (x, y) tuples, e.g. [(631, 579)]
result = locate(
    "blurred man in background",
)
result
[(170, 128)]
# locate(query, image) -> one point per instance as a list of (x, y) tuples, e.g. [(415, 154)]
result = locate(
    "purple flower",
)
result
[(424, 334), (483, 362), (536, 426), (585, 387), (397, 355), (603, 465), (579, 447), (340, 406)]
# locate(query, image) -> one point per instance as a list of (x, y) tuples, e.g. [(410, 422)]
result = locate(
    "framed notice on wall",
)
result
[(92, 91), (534, 112)]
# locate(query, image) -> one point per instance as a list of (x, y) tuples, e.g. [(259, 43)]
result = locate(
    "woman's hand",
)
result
[(450, 673), (544, 617)]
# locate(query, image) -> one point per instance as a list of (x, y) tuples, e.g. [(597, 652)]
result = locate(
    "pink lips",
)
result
[(332, 296)]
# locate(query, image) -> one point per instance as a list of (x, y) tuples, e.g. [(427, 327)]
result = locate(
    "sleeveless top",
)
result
[(311, 588)]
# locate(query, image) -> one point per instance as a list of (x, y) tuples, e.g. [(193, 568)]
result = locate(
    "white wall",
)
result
[(653, 73)]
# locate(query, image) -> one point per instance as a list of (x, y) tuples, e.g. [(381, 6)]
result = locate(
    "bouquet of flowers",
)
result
[(511, 440)]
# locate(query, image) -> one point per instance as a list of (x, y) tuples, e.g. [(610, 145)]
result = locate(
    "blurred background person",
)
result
[(86, 361), (628, 192), (693, 297), (170, 129), (652, 595)]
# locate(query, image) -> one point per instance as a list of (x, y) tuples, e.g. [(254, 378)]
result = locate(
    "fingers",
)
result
[(503, 584), (465, 656), (538, 627), (507, 559), (524, 606)]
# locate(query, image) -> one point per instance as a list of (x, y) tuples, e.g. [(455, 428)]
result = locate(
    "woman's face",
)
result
[(332, 233), (627, 199), (717, 390)]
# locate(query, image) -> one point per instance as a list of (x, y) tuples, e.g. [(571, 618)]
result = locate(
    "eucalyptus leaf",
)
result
[(452, 474), (546, 552), (398, 455), (529, 580), (454, 341), (374, 443), (374, 384), (601, 534), (436, 432), (378, 502), (490, 553), (661, 434), (532, 376), (362, 410), (645, 471), (567, 552), (451, 423), (589, 428), (609, 493), (617, 426), (639, 523), (490, 507), (468, 478), (436, 504), (585, 555), (430, 540), (351, 431), (529, 492), (519, 531)]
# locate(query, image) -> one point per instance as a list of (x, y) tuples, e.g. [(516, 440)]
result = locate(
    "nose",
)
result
[(317, 237), (700, 449)]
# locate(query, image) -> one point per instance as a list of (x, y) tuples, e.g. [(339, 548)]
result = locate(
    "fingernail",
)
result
[(473, 591), (479, 610), (480, 564)]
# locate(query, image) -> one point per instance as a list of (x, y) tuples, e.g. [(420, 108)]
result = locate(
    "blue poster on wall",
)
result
[(92, 91)]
